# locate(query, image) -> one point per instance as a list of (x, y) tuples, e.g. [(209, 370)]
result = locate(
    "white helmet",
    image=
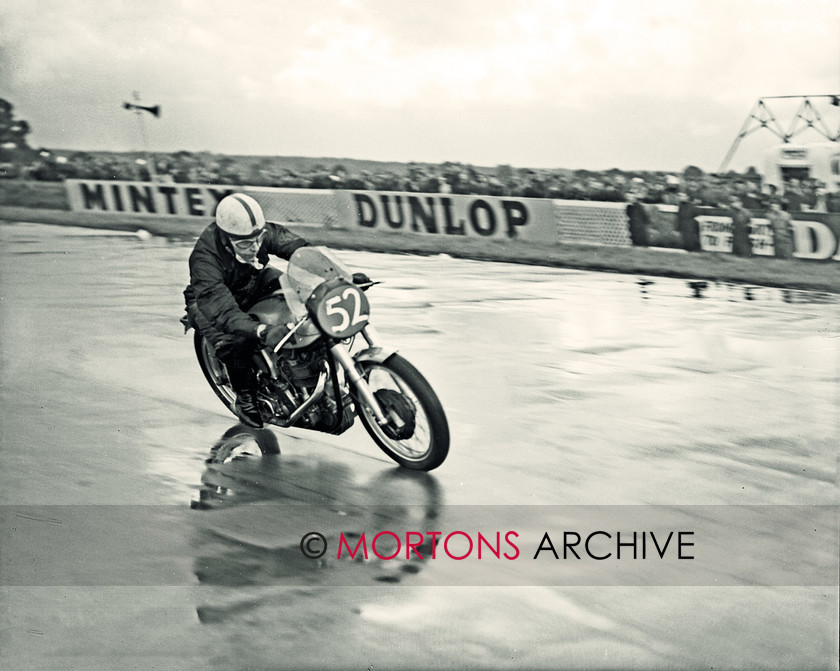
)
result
[(239, 215)]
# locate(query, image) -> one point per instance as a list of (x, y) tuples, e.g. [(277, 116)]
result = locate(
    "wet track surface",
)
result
[(562, 388)]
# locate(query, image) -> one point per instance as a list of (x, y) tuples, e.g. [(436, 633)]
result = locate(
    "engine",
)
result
[(301, 367), (300, 370)]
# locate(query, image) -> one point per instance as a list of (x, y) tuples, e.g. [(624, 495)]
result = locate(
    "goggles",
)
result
[(247, 244)]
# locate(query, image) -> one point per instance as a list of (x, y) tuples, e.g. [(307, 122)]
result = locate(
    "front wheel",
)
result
[(417, 436)]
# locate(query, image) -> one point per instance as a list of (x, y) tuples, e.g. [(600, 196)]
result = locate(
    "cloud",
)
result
[(505, 74), (553, 53)]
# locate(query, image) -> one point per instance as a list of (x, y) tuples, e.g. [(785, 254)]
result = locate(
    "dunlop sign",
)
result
[(195, 200), (451, 215)]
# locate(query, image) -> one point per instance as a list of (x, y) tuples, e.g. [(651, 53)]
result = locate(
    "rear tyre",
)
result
[(214, 370), (238, 439), (418, 435)]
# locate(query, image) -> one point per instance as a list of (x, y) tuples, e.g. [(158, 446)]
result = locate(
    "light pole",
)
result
[(138, 110)]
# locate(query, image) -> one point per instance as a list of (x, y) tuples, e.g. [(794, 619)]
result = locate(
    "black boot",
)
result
[(246, 406)]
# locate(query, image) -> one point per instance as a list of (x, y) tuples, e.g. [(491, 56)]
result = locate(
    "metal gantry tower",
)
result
[(807, 116)]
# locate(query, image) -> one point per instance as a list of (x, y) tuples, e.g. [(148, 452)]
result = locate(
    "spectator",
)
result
[(752, 197), (832, 201), (612, 185), (794, 196), (671, 196), (741, 243), (820, 202), (638, 221), (687, 223), (782, 226)]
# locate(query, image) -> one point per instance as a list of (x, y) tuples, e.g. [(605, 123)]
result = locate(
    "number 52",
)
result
[(340, 306)]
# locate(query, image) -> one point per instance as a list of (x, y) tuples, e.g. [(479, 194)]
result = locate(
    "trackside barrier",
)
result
[(144, 198), (536, 220), (589, 222), (528, 219), (308, 206), (816, 235), (298, 206)]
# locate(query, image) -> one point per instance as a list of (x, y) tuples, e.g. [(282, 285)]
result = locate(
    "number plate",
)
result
[(341, 310)]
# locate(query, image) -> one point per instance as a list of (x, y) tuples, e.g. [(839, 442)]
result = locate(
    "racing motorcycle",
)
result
[(323, 375)]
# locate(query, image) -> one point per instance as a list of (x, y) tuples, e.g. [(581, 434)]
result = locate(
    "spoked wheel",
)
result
[(214, 370), (240, 440), (417, 435)]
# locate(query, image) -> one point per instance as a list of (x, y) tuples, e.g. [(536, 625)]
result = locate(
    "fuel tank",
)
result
[(275, 310)]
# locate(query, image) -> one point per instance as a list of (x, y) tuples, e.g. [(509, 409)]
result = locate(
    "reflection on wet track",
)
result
[(561, 387)]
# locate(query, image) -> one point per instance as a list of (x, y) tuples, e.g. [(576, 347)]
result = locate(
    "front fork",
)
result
[(348, 363)]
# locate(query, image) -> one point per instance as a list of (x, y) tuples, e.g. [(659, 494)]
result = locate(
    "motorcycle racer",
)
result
[(229, 272), (332, 367)]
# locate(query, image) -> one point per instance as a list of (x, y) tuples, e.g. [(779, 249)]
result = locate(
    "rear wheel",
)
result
[(417, 435), (214, 370)]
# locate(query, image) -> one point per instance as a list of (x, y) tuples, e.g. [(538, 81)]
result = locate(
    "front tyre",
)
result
[(417, 436)]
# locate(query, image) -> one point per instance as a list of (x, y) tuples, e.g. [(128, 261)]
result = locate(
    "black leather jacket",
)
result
[(221, 286)]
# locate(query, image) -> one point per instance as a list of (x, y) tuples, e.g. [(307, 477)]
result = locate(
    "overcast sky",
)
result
[(633, 84)]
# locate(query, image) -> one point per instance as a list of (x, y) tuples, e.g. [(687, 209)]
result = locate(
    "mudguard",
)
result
[(374, 355)]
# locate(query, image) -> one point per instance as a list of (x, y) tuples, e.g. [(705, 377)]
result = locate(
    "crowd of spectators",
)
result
[(612, 185)]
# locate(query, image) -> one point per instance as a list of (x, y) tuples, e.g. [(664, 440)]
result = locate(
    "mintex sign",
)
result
[(145, 197)]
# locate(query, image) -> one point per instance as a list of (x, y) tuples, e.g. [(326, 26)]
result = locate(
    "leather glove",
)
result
[(362, 279), (271, 335)]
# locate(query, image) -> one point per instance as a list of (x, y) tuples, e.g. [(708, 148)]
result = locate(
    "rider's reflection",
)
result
[(257, 505)]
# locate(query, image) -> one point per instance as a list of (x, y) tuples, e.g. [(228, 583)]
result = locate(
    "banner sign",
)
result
[(530, 219), (153, 198), (814, 240), (716, 235)]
